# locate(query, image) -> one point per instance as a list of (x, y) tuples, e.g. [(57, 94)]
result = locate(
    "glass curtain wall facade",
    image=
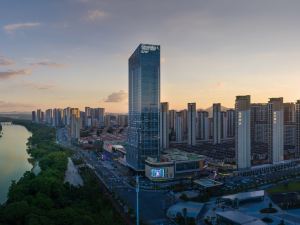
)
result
[(144, 103)]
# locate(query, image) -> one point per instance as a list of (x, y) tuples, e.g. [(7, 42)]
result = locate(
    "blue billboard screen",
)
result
[(158, 173)]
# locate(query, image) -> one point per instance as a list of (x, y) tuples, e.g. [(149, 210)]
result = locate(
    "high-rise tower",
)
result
[(243, 132), (217, 126), (297, 129), (144, 101), (191, 123), (275, 130), (164, 125)]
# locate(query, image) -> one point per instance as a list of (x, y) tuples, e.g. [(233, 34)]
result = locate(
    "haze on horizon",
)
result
[(75, 52)]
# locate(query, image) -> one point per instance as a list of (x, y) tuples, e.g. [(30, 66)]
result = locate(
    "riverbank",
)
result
[(45, 198), (13, 156)]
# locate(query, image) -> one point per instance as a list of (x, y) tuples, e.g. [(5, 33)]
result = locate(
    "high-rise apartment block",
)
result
[(75, 124), (179, 129), (164, 125), (33, 116), (217, 125), (230, 123), (275, 130), (49, 116), (172, 120), (191, 123), (224, 125), (203, 125), (243, 132), (259, 123), (297, 119), (123, 120)]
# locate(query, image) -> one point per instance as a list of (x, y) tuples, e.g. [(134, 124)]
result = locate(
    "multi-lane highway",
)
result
[(152, 203)]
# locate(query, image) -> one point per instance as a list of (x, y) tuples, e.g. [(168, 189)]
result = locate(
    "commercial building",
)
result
[(217, 125), (191, 124), (114, 150), (237, 218), (164, 125), (144, 103), (235, 200), (275, 130), (243, 132), (267, 168), (172, 164)]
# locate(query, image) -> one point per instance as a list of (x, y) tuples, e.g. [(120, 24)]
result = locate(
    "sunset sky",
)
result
[(58, 53)]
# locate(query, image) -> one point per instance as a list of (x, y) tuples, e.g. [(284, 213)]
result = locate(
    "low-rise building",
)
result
[(244, 197), (237, 218), (190, 210), (173, 163)]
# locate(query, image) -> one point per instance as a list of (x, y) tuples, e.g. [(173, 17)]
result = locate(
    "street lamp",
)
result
[(137, 189)]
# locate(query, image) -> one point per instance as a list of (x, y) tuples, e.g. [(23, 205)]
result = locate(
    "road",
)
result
[(152, 203)]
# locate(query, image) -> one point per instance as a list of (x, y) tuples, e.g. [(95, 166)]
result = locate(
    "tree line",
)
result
[(45, 199)]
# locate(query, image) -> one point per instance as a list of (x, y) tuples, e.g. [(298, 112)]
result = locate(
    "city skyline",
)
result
[(152, 112), (74, 57)]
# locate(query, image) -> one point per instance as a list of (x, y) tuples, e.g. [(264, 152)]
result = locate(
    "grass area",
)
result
[(287, 187)]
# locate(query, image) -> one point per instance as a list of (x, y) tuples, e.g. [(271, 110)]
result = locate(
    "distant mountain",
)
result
[(210, 109), (16, 115)]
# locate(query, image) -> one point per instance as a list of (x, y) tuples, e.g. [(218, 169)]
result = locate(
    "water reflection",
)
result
[(13, 156)]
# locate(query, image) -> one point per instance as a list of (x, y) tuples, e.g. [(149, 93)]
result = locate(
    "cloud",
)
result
[(95, 15), (117, 96), (38, 86), (13, 73), (49, 64), (5, 61), (10, 28), (12, 105)]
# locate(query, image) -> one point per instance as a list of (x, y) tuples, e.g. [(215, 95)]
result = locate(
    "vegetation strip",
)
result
[(44, 199)]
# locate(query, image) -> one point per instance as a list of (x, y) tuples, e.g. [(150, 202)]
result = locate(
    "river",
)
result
[(13, 156)]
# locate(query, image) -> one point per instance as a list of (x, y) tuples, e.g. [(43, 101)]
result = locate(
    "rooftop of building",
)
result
[(245, 195), (207, 183), (175, 155), (193, 209), (240, 218)]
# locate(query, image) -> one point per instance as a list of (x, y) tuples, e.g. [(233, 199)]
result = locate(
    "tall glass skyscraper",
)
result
[(144, 102)]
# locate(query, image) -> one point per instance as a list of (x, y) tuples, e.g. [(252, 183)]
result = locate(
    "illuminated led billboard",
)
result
[(158, 173)]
